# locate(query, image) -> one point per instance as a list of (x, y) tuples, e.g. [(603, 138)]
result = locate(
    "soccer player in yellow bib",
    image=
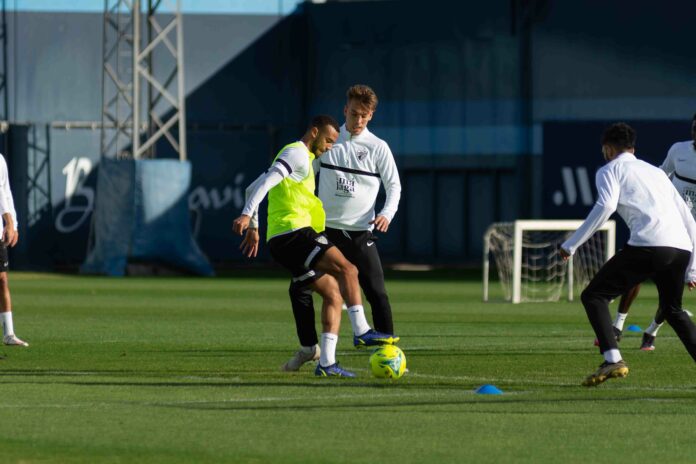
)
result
[(295, 233), (352, 174)]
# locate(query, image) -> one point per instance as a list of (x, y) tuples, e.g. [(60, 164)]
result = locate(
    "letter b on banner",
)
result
[(79, 199)]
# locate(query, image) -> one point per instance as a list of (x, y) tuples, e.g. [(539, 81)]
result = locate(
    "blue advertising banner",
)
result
[(224, 164), (53, 173)]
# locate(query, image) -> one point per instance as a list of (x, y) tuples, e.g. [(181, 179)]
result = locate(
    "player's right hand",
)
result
[(241, 224), (691, 285), (10, 236), (250, 244), (381, 223)]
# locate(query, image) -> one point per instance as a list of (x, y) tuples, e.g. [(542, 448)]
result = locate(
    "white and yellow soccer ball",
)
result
[(388, 362)]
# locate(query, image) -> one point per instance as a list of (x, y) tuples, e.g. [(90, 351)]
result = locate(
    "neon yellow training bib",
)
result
[(292, 205)]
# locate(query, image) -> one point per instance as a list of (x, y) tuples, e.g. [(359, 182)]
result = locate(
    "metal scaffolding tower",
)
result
[(132, 125), (38, 173)]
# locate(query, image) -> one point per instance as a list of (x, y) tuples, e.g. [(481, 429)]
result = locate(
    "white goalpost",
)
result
[(530, 268)]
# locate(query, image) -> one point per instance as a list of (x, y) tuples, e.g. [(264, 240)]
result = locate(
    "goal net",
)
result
[(530, 267)]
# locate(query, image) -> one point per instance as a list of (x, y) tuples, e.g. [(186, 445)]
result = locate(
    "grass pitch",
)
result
[(187, 370)]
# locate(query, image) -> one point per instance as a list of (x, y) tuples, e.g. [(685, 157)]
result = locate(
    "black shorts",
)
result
[(4, 261), (299, 251)]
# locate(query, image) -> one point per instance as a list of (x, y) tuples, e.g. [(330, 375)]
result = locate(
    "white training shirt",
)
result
[(647, 201), (680, 166), (292, 162), (351, 174), (6, 202)]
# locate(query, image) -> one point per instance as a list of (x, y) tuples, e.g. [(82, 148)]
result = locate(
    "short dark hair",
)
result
[(322, 120), (694, 119), (619, 135)]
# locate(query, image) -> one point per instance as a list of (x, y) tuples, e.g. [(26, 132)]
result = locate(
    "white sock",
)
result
[(7, 326), (654, 327), (620, 319), (612, 356), (357, 320), (328, 349)]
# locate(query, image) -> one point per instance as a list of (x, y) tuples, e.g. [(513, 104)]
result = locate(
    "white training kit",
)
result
[(351, 173), (680, 165), (6, 202)]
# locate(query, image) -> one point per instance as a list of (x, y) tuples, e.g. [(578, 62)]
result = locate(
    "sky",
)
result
[(268, 7)]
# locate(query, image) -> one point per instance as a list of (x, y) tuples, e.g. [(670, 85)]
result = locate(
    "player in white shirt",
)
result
[(661, 246), (9, 239), (680, 166), (351, 175)]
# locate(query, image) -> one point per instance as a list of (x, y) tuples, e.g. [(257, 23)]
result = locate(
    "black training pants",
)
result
[(360, 248), (666, 266), (303, 312)]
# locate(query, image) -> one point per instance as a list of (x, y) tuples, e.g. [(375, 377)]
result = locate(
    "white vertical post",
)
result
[(517, 264), (136, 80), (486, 264), (570, 278)]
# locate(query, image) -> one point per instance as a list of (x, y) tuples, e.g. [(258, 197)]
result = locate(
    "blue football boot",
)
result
[(333, 370), (374, 338)]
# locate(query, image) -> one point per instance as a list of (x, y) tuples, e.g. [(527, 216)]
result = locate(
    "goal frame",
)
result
[(520, 226)]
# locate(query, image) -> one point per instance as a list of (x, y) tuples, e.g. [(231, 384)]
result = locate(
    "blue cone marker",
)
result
[(489, 390)]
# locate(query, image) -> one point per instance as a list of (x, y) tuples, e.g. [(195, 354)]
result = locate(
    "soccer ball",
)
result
[(388, 362)]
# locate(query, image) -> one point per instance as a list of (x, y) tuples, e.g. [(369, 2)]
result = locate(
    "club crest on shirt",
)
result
[(321, 239), (362, 153)]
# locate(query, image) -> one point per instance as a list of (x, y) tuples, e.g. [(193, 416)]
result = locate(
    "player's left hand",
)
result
[(241, 224), (691, 285), (250, 244), (381, 223), (10, 236), (564, 254)]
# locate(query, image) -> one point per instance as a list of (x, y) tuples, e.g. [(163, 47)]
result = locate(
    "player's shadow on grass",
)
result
[(300, 383), (217, 352), (492, 352)]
